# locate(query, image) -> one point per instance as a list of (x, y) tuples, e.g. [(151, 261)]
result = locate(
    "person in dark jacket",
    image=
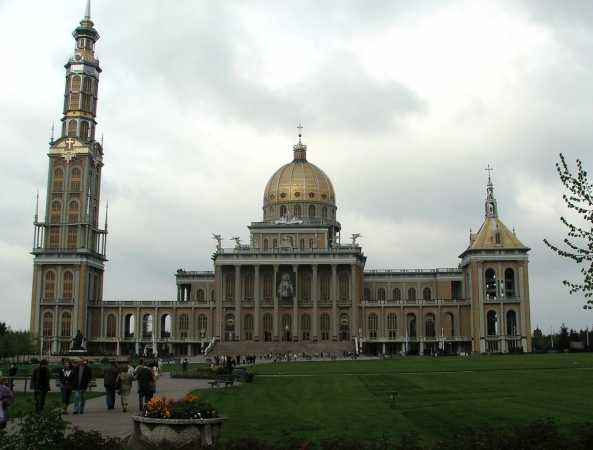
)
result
[(40, 383), (82, 378), (109, 381), (66, 384), (145, 377)]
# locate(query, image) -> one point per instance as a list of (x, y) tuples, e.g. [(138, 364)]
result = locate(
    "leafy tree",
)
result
[(563, 338), (580, 250)]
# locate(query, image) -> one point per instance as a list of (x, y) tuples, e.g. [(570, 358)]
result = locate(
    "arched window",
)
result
[(249, 287), (58, 179), (449, 324), (367, 295), (426, 293), (429, 325), (306, 286), (297, 210), (248, 327), (381, 294), (306, 327), (266, 245), (200, 295), (56, 212), (283, 210), (230, 287), (392, 326), (492, 320), (272, 213), (72, 127), (75, 181), (325, 280), (268, 327), (344, 286), (67, 288), (111, 325), (324, 212), (397, 294), (268, 286), (274, 244), (50, 285), (411, 319), (88, 83), (286, 327), (147, 325), (512, 329), (302, 244), (183, 325), (344, 327), (66, 325), (311, 211), (202, 324), (490, 284), (509, 283), (84, 125), (129, 325), (73, 213), (498, 238), (76, 80), (48, 323), (412, 294), (325, 326), (165, 326), (373, 322)]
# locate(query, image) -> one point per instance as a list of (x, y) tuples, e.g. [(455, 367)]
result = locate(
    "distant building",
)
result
[(296, 286)]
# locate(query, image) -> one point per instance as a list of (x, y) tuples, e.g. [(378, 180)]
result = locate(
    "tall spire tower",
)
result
[(69, 247)]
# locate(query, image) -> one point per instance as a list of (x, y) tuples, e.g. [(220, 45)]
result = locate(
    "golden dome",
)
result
[(299, 186)]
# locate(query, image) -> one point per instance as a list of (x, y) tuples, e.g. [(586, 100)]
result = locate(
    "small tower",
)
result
[(496, 281), (69, 247)]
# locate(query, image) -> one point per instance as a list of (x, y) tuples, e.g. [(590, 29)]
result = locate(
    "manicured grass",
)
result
[(318, 400)]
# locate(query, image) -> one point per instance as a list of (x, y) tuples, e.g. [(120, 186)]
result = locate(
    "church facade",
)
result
[(296, 286)]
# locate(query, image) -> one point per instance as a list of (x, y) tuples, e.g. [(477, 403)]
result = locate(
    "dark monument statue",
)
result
[(77, 341)]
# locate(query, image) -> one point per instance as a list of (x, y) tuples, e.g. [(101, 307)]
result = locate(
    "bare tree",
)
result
[(579, 240)]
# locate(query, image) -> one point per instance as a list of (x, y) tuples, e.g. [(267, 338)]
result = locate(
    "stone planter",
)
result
[(151, 433)]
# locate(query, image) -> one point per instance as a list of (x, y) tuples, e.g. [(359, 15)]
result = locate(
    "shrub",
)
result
[(90, 440), (34, 361)]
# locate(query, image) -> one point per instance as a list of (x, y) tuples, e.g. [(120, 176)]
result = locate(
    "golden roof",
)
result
[(299, 181), (494, 234)]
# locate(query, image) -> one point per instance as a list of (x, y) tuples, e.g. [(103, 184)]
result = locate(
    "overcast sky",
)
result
[(404, 104)]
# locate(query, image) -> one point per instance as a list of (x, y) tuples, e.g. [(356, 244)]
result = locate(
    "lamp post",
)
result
[(393, 394)]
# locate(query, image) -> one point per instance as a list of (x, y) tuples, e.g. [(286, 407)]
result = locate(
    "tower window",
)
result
[(54, 238), (73, 215), (88, 83), (72, 237), (66, 325), (297, 210), (373, 325), (325, 279), (76, 83), (426, 294), (282, 211), (324, 212), (86, 104), (312, 211), (75, 181), (75, 101), (58, 179), (50, 285), (72, 128), (412, 294), (56, 212), (68, 284)]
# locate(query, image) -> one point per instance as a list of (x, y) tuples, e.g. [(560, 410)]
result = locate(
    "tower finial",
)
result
[(106, 214), (52, 133), (87, 11), (490, 205), (300, 149), (300, 127)]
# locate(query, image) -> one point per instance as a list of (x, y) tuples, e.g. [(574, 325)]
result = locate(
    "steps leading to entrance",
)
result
[(257, 348)]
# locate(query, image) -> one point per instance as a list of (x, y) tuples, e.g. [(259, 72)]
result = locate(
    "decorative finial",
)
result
[(106, 214), (87, 11), (52, 132), (300, 127), (488, 169), (37, 207), (101, 140)]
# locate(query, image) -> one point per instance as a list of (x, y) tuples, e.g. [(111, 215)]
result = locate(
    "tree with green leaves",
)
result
[(580, 239)]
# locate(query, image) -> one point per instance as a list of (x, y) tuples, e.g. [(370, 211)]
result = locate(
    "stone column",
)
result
[(256, 299), (218, 300), (354, 299), (314, 297), (275, 297), (295, 309), (334, 297), (237, 303)]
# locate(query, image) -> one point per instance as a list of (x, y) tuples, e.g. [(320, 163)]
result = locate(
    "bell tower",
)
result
[(69, 246)]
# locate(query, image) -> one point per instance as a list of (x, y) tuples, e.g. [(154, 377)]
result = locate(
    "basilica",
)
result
[(297, 286)]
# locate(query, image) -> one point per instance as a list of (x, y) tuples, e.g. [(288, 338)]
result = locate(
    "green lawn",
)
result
[(317, 400)]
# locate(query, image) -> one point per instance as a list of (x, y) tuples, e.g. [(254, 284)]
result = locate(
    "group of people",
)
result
[(120, 381)]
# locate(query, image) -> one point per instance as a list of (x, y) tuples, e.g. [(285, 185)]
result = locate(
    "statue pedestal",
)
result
[(80, 352)]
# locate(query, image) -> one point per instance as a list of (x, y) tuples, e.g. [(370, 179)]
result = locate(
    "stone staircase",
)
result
[(255, 348)]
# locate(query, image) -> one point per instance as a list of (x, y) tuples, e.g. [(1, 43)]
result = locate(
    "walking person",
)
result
[(125, 380), (40, 384), (66, 384), (110, 375), (82, 378), (12, 373), (145, 377), (6, 399)]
